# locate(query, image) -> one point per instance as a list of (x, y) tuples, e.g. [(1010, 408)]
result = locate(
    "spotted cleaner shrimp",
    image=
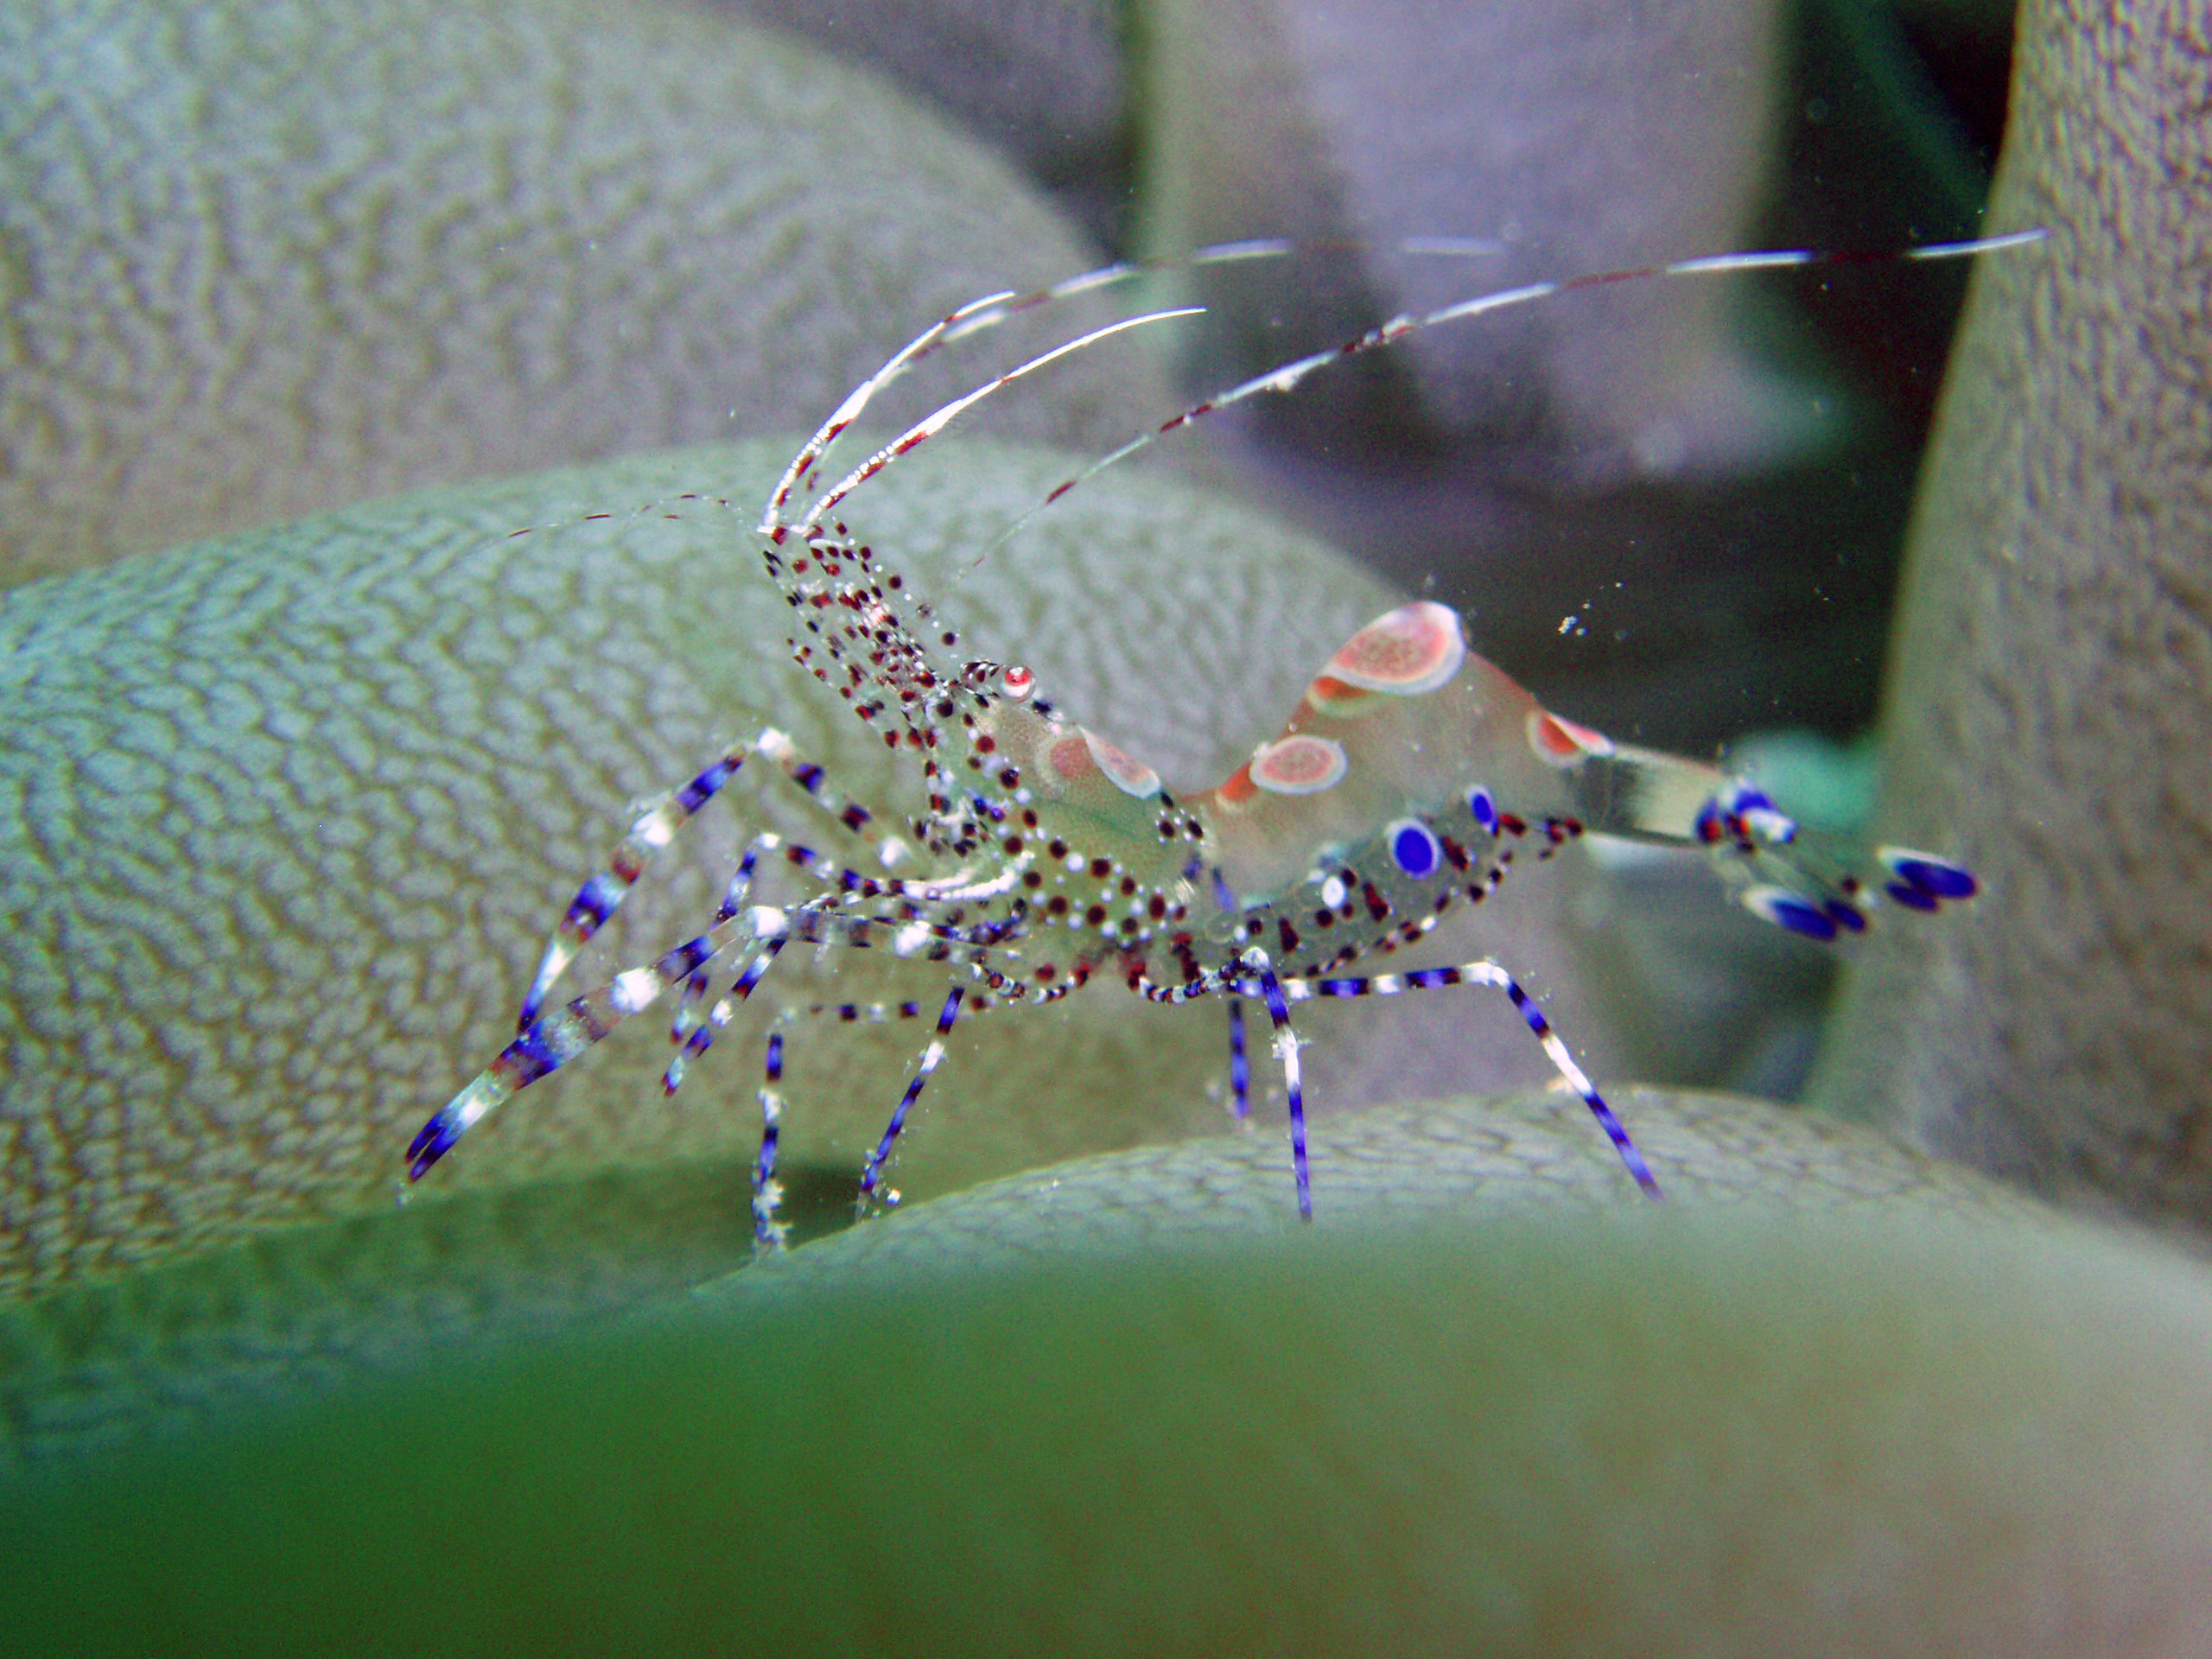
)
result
[(1408, 779)]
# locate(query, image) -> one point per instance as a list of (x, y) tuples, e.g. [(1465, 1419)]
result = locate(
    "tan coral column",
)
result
[(2051, 697)]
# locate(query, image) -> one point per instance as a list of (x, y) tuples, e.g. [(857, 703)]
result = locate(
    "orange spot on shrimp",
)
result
[(1561, 742), (1070, 757), (1239, 789), (1407, 651), (1130, 776), (1299, 765)]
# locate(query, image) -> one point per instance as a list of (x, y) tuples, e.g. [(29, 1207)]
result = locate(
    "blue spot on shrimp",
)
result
[(1410, 779)]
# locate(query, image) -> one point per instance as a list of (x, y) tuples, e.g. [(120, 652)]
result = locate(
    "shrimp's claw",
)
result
[(1806, 881), (1925, 881), (1820, 920)]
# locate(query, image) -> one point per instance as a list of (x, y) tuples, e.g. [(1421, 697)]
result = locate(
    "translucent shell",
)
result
[(970, 903)]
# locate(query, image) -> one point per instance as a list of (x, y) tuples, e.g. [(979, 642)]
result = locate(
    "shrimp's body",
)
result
[(1409, 780)]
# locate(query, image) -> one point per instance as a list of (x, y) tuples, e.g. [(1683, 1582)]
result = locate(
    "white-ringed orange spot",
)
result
[(1414, 648), (1299, 765)]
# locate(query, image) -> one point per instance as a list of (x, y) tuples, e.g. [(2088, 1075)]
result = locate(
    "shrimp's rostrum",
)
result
[(1409, 779)]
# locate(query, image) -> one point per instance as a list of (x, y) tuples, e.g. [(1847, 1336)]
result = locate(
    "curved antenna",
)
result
[(934, 423), (988, 311), (994, 305), (1286, 376)]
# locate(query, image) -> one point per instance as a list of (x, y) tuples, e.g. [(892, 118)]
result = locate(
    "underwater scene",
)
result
[(1185, 826)]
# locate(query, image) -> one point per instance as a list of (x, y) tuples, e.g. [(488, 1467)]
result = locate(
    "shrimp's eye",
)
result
[(1018, 683), (1414, 847), (1483, 809)]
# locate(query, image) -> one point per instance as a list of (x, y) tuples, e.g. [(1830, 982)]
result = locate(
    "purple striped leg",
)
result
[(768, 1233), (1273, 992), (871, 1170), (1487, 972)]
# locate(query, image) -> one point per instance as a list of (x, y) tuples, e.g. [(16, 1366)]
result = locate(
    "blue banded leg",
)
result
[(1240, 1064), (818, 922), (1272, 991), (1487, 972), (693, 1032), (867, 1013), (684, 1028), (768, 1233), (553, 1039), (1925, 881), (812, 781), (656, 827), (689, 1030), (599, 897), (871, 1171), (1252, 975), (700, 1037)]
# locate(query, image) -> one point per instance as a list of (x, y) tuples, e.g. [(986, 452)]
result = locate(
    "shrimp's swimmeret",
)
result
[(1409, 779)]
